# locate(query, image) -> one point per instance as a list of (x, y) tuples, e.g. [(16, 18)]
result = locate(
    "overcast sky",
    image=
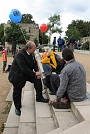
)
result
[(41, 10)]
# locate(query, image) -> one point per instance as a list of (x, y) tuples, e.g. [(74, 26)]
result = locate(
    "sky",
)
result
[(41, 10)]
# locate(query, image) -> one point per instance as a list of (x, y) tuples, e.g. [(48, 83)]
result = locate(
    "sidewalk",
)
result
[(82, 51)]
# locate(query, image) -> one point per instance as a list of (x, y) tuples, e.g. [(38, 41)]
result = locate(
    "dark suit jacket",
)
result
[(22, 68)]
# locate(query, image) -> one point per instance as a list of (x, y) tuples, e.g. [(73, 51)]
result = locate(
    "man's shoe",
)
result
[(60, 105), (18, 112), (43, 100)]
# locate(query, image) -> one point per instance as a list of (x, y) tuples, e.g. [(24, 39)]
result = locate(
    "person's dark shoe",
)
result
[(43, 100), (61, 105), (6, 71), (51, 93), (18, 112)]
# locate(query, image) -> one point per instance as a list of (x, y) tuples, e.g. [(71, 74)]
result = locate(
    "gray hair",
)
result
[(28, 45)]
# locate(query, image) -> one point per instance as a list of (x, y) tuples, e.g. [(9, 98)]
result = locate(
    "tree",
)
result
[(73, 31), (43, 39), (54, 25), (2, 33), (27, 18), (15, 33), (78, 28)]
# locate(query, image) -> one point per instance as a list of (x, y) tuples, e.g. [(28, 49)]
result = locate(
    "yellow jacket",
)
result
[(44, 55), (50, 60)]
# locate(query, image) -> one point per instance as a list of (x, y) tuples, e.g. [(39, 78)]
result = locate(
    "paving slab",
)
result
[(9, 96), (27, 128), (29, 86), (10, 131), (43, 110), (81, 128), (28, 107), (77, 113), (44, 125), (44, 120), (84, 111), (66, 120), (82, 103), (13, 119)]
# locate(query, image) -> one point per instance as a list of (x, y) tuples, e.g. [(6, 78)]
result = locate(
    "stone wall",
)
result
[(31, 29)]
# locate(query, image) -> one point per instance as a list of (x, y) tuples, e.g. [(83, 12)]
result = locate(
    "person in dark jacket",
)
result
[(72, 43), (60, 42), (54, 44), (21, 71), (72, 86), (52, 81)]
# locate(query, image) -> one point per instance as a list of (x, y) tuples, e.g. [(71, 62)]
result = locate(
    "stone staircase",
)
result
[(41, 118)]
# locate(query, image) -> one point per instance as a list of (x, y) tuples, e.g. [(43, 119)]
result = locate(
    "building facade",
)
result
[(32, 30)]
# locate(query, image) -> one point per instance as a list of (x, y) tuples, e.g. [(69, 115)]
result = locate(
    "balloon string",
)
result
[(23, 35)]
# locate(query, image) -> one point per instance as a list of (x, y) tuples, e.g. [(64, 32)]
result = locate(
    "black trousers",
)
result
[(17, 92), (55, 82)]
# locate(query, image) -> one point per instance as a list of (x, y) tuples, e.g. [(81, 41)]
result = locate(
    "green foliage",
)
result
[(54, 24), (15, 33), (2, 127), (43, 39), (36, 41), (7, 108), (27, 18), (73, 31), (78, 29), (2, 33), (86, 45)]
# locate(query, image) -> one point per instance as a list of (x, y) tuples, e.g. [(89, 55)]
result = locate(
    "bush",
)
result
[(86, 45)]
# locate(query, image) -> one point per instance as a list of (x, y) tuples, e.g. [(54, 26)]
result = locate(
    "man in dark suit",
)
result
[(22, 71)]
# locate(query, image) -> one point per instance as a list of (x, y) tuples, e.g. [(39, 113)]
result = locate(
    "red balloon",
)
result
[(43, 28)]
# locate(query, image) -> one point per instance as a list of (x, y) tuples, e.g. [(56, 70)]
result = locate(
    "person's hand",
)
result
[(38, 75), (54, 101), (50, 102)]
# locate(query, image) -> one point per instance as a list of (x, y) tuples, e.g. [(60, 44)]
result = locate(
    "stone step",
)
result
[(36, 117), (27, 123), (44, 119), (64, 118), (12, 123), (81, 128), (9, 96), (81, 110)]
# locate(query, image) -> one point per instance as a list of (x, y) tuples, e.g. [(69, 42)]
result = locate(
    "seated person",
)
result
[(49, 62), (52, 81), (72, 86), (9, 66), (47, 51)]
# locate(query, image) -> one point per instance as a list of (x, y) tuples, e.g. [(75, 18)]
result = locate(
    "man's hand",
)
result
[(38, 75), (50, 102)]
